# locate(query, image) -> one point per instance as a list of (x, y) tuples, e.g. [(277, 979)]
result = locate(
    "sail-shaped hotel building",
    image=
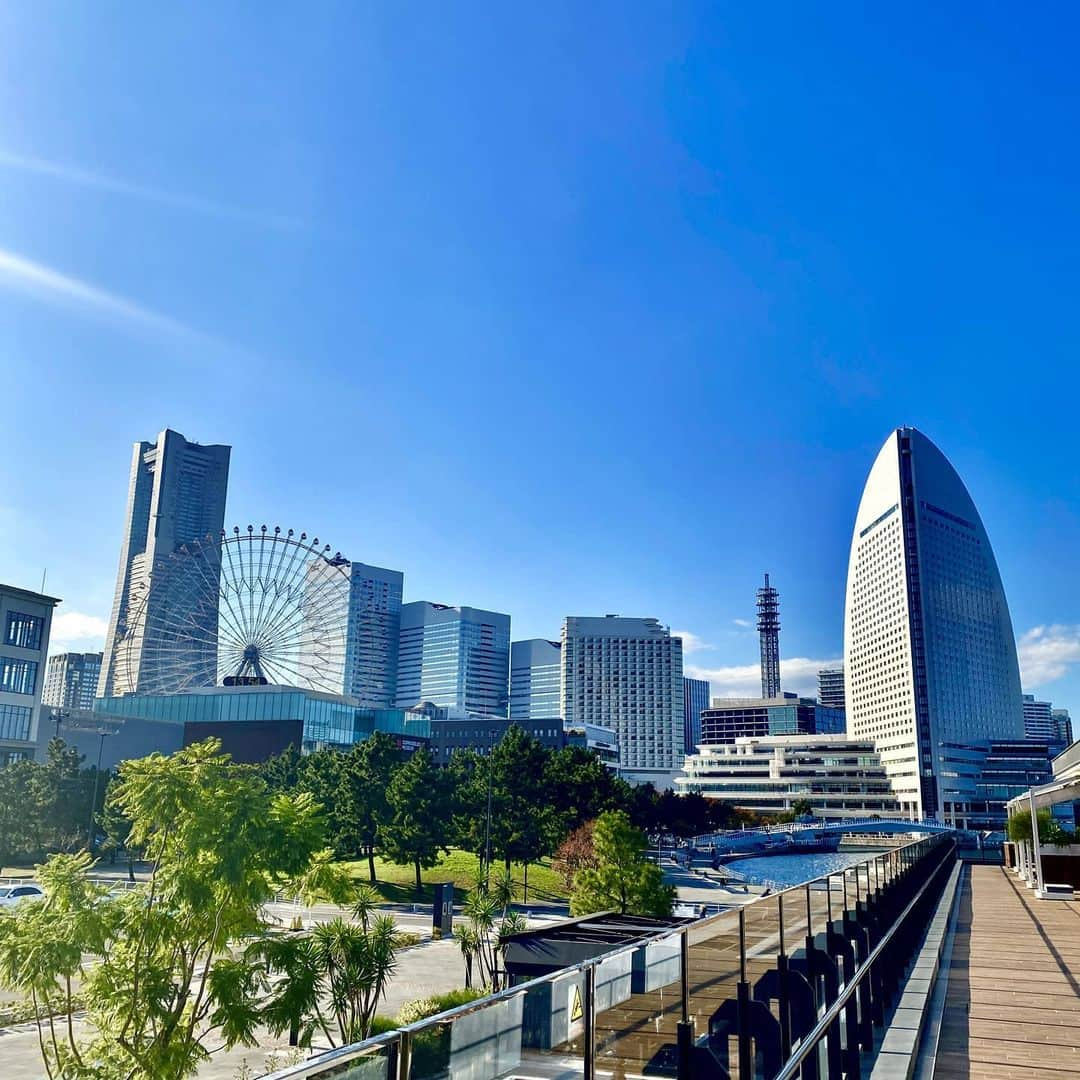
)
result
[(929, 654)]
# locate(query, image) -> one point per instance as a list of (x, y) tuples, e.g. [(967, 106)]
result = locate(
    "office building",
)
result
[(729, 719), (768, 624), (455, 657), (831, 687), (372, 636), (695, 699), (1044, 723), (25, 623), (535, 673), (71, 680), (625, 674), (484, 733), (176, 495), (257, 722), (929, 652), (838, 777)]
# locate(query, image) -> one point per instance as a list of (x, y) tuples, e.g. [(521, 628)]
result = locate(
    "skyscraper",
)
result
[(626, 675), (695, 699), (1045, 723), (371, 644), (71, 680), (176, 495), (831, 687), (455, 657), (929, 654), (535, 673), (768, 624)]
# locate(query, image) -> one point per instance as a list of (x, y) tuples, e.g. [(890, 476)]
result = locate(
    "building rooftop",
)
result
[(30, 594)]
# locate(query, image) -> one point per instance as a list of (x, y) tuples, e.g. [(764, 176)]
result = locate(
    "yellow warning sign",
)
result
[(576, 1011)]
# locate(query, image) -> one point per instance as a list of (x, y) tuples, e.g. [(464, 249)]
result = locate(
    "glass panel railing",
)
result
[(714, 968), (553, 1022), (638, 1005), (480, 1044)]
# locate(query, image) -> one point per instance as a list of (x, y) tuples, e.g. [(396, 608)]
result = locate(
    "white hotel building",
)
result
[(929, 654)]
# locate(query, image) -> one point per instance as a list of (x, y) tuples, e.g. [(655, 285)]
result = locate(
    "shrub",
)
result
[(422, 1008)]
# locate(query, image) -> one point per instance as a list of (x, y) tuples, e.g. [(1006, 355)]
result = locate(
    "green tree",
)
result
[(420, 826), (157, 973), (22, 810), (580, 787), (1018, 828), (331, 979), (376, 760), (623, 880)]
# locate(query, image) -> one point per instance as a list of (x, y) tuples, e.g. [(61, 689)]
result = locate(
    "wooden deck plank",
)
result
[(1012, 1010)]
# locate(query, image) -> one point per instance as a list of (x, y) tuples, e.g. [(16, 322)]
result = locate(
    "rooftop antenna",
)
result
[(768, 624), (43, 573)]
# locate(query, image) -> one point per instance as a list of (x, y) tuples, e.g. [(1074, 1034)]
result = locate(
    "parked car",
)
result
[(11, 895)]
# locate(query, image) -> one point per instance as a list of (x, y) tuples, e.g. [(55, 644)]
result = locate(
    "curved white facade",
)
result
[(929, 652)]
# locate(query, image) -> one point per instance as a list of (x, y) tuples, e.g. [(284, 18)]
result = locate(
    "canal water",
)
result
[(795, 869)]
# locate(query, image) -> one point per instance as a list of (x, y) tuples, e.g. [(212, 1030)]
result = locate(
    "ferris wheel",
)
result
[(257, 607)]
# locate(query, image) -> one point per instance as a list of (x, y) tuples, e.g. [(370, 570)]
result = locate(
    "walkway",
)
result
[(1013, 1004)]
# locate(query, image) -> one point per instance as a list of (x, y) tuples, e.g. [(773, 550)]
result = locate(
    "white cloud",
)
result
[(744, 623), (1047, 652), (71, 174), (42, 281), (797, 675), (691, 642), (72, 631)]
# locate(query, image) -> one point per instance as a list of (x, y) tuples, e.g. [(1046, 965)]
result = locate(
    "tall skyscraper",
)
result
[(1063, 723), (929, 654), (374, 628), (455, 657), (695, 700), (25, 622), (831, 687), (768, 624), (71, 680), (176, 495), (1045, 723), (535, 673), (626, 675)]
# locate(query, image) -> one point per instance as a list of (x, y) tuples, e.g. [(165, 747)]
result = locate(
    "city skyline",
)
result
[(439, 314)]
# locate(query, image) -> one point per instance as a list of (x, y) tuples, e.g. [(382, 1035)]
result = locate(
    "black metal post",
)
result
[(93, 801)]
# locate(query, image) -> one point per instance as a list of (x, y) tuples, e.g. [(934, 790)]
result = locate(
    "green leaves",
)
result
[(623, 880)]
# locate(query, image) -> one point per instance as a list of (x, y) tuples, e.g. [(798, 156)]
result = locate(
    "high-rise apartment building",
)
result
[(71, 680), (768, 624), (695, 699), (626, 675), (455, 657), (25, 622), (176, 495), (1045, 723), (535, 675), (929, 654), (831, 687), (369, 670)]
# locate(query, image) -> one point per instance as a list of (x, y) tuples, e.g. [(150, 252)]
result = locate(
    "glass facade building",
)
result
[(695, 701), (176, 494), (71, 680), (455, 657), (929, 653), (724, 721), (625, 675), (535, 673)]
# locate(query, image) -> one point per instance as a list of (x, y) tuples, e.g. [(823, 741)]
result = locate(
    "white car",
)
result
[(11, 895)]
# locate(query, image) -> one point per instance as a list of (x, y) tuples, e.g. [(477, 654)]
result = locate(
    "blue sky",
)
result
[(562, 309)]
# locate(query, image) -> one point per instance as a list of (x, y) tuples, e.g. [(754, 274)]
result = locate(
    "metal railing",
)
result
[(789, 984)]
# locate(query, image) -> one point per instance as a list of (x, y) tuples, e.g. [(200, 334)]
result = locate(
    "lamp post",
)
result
[(102, 732)]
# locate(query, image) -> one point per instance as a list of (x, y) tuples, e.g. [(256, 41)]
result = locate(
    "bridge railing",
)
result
[(737, 994)]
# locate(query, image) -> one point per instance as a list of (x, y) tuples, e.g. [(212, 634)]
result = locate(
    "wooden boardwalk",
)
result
[(1013, 1003)]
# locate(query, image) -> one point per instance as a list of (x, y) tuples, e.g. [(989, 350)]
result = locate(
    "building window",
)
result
[(17, 676), (15, 722), (23, 631)]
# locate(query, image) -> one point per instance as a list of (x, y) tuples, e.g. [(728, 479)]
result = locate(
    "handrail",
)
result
[(821, 1029)]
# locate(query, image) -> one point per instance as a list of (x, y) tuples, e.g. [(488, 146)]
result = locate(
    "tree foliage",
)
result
[(420, 826), (159, 978), (623, 880)]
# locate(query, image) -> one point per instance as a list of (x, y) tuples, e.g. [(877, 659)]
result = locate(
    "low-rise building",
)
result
[(728, 719), (837, 777), (25, 623)]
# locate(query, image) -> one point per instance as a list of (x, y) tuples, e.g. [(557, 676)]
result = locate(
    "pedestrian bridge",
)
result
[(808, 832)]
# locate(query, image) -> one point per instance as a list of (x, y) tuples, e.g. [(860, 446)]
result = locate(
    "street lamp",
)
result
[(102, 732)]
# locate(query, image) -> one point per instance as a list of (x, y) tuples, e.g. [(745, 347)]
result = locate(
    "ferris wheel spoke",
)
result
[(236, 577)]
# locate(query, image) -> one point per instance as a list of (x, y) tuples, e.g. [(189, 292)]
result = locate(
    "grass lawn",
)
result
[(396, 883)]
